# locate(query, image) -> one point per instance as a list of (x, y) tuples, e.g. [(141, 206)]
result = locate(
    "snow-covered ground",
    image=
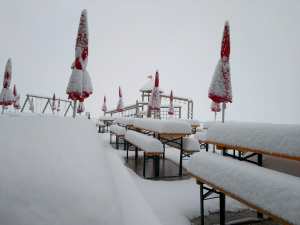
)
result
[(56, 170)]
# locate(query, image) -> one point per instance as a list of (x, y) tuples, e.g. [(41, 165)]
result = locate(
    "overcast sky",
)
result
[(181, 38)]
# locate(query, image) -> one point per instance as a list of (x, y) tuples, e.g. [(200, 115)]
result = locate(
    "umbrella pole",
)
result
[(223, 112), (74, 108), (2, 109)]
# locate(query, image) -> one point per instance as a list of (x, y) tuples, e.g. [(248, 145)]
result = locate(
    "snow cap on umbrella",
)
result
[(155, 100), (6, 95), (120, 105), (215, 107), (220, 87), (104, 107), (171, 106)]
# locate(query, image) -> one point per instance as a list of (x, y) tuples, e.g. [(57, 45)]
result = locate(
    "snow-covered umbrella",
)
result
[(155, 99), (31, 105), (171, 106), (120, 106), (53, 104), (104, 106), (80, 108), (6, 95), (16, 103), (80, 85), (220, 88)]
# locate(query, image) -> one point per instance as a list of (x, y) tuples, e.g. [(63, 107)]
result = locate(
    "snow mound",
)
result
[(55, 171)]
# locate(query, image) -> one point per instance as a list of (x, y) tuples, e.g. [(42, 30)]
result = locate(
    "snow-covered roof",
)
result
[(147, 87), (273, 138), (276, 192), (164, 126)]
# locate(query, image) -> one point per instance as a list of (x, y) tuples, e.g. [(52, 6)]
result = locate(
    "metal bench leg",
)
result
[(156, 165), (124, 144), (206, 147), (117, 141), (136, 154), (164, 146), (127, 149), (144, 167), (222, 209), (201, 204), (181, 153)]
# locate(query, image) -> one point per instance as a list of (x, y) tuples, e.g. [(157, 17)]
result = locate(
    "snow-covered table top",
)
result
[(125, 121), (274, 139), (118, 130), (143, 141), (192, 122), (107, 118), (163, 126), (277, 193)]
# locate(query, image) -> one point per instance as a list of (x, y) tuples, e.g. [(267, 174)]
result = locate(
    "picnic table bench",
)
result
[(152, 148), (272, 193), (166, 131), (119, 133)]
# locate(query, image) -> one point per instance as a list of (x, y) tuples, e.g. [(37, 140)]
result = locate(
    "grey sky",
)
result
[(131, 39)]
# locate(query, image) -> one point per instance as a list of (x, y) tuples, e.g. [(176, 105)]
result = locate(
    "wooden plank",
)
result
[(276, 218), (222, 146)]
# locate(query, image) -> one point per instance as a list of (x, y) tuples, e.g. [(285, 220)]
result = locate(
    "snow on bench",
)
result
[(107, 118), (270, 192), (117, 130), (201, 136), (125, 121), (151, 146), (190, 144), (144, 142), (272, 139), (163, 126)]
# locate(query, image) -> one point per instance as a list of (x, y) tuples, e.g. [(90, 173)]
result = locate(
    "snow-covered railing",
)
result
[(270, 192), (271, 139), (117, 130), (163, 126)]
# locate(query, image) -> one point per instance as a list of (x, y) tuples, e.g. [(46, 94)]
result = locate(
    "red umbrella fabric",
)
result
[(220, 88), (155, 100), (120, 106), (80, 85), (215, 107), (171, 106), (104, 107), (16, 103), (6, 95)]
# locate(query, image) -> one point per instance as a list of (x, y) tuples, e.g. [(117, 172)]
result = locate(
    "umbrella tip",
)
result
[(227, 23)]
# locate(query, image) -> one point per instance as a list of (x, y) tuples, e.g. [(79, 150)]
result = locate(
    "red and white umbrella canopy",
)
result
[(120, 106), (16, 98), (80, 85), (171, 106), (6, 95), (81, 107), (53, 106), (104, 107), (220, 88), (155, 100), (215, 107)]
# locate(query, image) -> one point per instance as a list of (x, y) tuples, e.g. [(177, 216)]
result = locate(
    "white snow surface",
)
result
[(201, 135), (144, 142), (191, 144), (117, 129), (75, 81), (107, 118), (192, 122), (164, 126), (86, 82), (125, 121), (274, 138), (58, 172), (278, 193)]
